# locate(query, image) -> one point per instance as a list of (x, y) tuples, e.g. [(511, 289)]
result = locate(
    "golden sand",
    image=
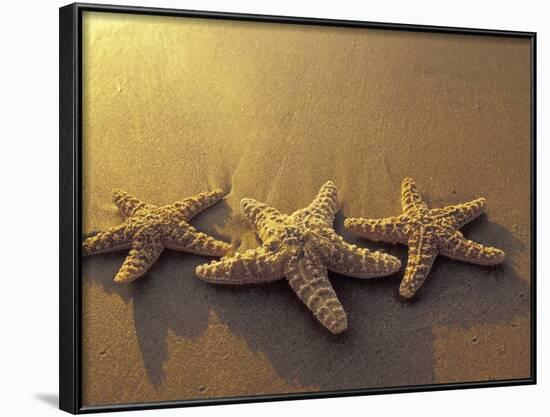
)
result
[(175, 106)]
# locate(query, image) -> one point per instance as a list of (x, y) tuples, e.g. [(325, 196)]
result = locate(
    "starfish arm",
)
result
[(254, 266), (309, 280), (462, 214), (457, 247), (126, 203), (191, 206), (114, 239), (325, 205), (187, 239), (260, 216), (357, 262), (410, 197), (389, 229), (144, 252), (422, 253)]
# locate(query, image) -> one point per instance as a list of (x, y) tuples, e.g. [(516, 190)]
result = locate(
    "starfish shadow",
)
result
[(389, 342)]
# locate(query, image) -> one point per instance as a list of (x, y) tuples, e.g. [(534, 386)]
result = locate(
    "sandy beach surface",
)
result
[(173, 107)]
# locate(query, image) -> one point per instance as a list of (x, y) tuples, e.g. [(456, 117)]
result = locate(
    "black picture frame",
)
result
[(70, 204)]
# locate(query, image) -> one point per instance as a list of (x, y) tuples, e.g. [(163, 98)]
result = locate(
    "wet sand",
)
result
[(174, 107)]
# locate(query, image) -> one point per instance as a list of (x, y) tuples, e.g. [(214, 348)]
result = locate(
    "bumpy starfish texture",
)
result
[(427, 232), (300, 247), (148, 229)]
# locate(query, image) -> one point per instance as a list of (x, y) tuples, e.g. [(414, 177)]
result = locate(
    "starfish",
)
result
[(428, 233), (300, 247), (148, 229)]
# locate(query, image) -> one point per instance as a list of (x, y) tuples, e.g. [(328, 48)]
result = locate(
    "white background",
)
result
[(29, 205)]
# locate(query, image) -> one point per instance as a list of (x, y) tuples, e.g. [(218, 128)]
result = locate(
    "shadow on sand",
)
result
[(389, 342)]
